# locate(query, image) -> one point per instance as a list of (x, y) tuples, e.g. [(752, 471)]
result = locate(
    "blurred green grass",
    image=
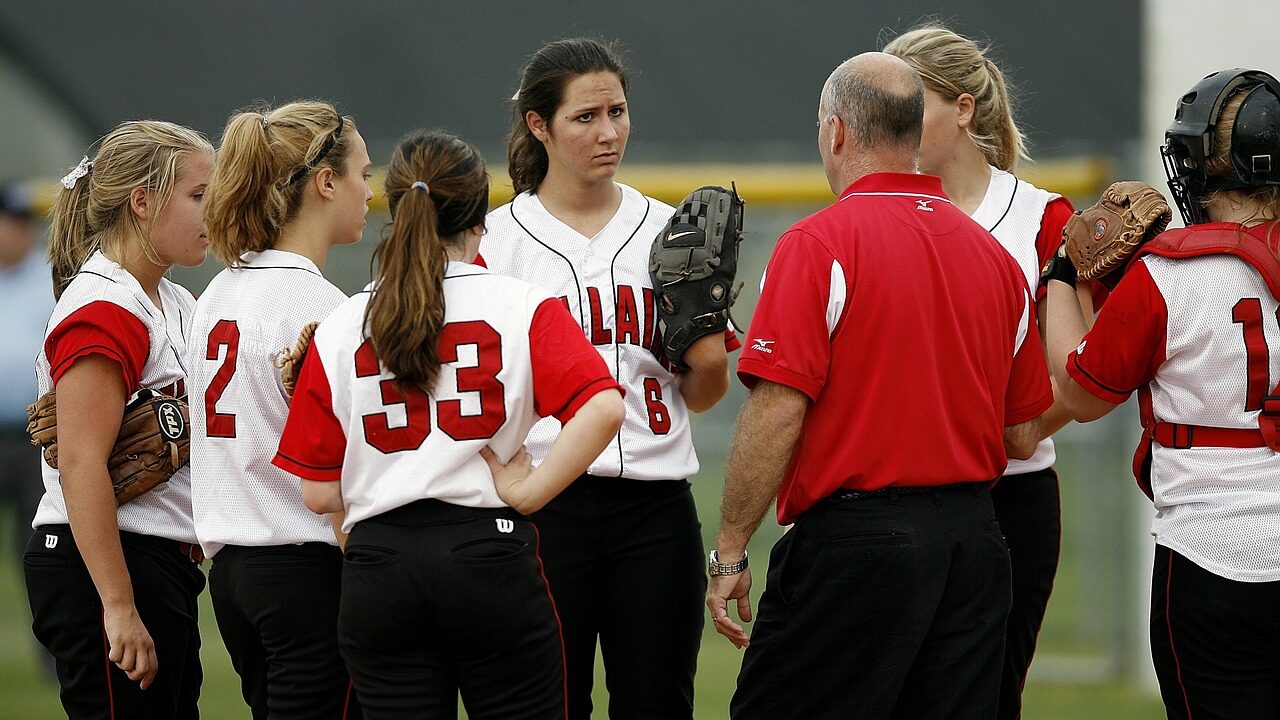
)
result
[(26, 693)]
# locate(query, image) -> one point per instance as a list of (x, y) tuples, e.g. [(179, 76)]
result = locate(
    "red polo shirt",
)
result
[(913, 333)]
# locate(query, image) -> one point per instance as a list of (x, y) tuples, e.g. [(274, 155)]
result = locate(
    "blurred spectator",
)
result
[(26, 295)]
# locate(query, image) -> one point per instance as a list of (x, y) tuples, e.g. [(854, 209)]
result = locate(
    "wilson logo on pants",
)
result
[(505, 525)]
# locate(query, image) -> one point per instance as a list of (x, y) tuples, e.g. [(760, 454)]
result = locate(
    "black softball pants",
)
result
[(885, 606), (626, 565), (277, 611), (1215, 642), (1030, 513), (67, 619), (439, 599)]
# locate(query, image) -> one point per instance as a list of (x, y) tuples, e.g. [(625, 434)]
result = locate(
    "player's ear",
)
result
[(537, 125), (964, 110), (139, 203), (325, 182)]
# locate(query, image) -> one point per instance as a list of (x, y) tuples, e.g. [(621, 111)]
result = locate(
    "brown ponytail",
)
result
[(437, 188), (93, 213), (263, 160), (542, 84)]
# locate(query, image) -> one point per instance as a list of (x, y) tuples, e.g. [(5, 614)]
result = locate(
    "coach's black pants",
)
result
[(277, 611), (67, 619), (886, 606), (439, 598), (1215, 642), (625, 563), (1030, 515)]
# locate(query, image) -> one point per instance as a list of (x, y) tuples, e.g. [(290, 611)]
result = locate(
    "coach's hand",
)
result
[(720, 590), (131, 647)]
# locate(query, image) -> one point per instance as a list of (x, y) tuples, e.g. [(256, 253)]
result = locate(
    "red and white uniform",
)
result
[(1201, 333), (956, 358), (510, 354), (1028, 222), (104, 311), (243, 320), (604, 282)]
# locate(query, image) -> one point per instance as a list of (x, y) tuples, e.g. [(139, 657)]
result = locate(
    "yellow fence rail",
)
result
[(760, 184)]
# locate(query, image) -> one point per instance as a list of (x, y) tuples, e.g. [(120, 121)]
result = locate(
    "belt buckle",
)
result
[(192, 552)]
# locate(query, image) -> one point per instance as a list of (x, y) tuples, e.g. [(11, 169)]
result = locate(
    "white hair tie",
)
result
[(419, 185), (84, 168)]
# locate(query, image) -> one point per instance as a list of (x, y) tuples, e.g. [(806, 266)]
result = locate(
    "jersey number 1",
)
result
[(1248, 312), (481, 378)]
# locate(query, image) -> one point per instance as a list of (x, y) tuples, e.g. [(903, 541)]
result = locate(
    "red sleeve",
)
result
[(1029, 393), (788, 342), (313, 443), (100, 328), (1055, 217), (1127, 343), (567, 370)]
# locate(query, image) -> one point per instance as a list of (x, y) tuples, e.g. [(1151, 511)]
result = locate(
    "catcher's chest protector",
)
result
[(1248, 244)]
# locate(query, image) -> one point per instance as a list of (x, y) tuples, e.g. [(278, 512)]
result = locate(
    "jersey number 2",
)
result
[(481, 378), (225, 333), (1248, 312)]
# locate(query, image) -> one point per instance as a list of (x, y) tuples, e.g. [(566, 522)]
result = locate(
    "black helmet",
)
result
[(1255, 138)]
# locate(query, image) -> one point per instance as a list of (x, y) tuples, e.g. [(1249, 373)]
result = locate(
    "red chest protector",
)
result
[(1250, 245)]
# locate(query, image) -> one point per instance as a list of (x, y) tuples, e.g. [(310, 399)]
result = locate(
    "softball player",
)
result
[(624, 540), (290, 184), (1197, 335), (405, 387), (113, 590), (972, 142)]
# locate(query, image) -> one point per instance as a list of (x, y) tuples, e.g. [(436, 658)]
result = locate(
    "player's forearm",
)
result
[(707, 379), (1065, 330), (91, 512), (580, 441), (766, 434)]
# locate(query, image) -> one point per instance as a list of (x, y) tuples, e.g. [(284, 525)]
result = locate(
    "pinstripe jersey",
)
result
[(604, 281), (105, 311), (243, 320)]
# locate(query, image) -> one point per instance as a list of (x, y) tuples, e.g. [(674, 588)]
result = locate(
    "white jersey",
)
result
[(104, 310), (604, 281), (243, 320), (1202, 335), (510, 354), (1012, 211), (1220, 507)]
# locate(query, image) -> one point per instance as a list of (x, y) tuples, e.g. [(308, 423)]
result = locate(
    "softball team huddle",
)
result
[(493, 457)]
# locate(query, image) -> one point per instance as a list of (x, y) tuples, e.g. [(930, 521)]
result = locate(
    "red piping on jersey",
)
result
[(564, 663), (106, 655), (1168, 621), (346, 704)]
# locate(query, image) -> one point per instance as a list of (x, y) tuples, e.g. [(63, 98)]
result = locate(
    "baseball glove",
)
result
[(1101, 239), (153, 442), (693, 262), (290, 361)]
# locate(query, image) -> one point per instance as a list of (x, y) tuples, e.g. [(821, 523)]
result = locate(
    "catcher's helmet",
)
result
[(1255, 138)]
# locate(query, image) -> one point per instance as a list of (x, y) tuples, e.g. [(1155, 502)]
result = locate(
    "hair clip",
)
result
[(419, 185), (263, 119), (84, 168), (516, 96)]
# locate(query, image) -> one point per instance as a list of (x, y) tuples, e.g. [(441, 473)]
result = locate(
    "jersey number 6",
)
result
[(481, 378)]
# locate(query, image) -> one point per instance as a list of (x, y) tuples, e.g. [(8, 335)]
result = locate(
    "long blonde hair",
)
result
[(93, 214), (263, 160), (952, 65), (437, 188)]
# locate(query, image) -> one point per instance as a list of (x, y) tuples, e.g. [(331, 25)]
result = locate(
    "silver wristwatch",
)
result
[(716, 568)]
